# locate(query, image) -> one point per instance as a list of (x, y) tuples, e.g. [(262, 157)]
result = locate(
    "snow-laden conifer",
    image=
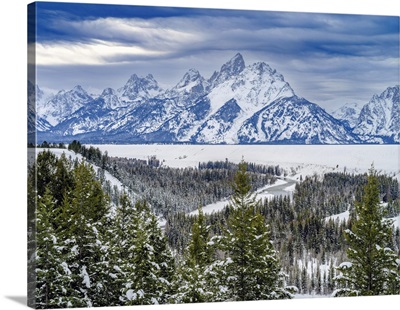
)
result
[(251, 266), (373, 267), (195, 281)]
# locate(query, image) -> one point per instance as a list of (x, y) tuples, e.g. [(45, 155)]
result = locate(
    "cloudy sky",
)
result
[(329, 59)]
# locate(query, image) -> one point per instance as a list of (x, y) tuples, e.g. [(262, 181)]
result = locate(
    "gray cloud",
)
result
[(329, 59)]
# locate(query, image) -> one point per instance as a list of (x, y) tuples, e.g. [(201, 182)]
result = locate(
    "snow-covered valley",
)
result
[(296, 159), (266, 192)]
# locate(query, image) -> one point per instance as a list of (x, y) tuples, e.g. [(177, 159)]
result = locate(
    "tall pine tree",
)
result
[(373, 268), (149, 279), (193, 280), (251, 265), (120, 253), (86, 212), (53, 274)]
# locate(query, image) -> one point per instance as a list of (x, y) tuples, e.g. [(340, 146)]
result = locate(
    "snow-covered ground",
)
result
[(396, 221), (344, 216), (296, 159), (262, 193), (213, 207)]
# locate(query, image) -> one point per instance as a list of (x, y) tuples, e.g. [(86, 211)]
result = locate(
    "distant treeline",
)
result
[(170, 190)]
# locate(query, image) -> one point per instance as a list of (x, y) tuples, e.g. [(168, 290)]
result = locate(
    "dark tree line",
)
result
[(336, 192), (170, 190)]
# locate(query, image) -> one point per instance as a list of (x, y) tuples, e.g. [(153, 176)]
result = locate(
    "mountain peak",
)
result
[(380, 116), (348, 113), (231, 68), (191, 76), (79, 89), (108, 92), (234, 66), (263, 67), (140, 87), (191, 86), (391, 91), (110, 98)]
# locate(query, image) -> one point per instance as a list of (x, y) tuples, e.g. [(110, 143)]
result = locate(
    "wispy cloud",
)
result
[(94, 53)]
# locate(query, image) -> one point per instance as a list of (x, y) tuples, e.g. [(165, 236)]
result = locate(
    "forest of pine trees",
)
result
[(86, 256), (93, 245)]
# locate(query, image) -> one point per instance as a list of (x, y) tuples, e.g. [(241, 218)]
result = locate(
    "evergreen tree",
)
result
[(149, 280), (193, 283), (44, 169), (85, 212), (163, 258), (53, 274), (373, 268), (251, 264), (31, 236), (330, 283), (123, 234), (304, 280), (62, 180)]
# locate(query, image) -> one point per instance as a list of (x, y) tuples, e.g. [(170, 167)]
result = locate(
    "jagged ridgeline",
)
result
[(238, 104)]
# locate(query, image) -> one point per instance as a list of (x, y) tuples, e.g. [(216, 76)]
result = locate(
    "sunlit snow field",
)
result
[(304, 159)]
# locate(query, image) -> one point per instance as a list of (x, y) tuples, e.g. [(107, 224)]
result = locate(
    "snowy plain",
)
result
[(296, 159)]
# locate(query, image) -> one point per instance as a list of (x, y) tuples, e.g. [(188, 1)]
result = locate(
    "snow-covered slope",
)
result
[(294, 120), (139, 88), (35, 97), (63, 104), (380, 117)]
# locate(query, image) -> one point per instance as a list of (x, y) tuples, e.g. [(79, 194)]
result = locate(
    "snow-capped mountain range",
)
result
[(238, 104)]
